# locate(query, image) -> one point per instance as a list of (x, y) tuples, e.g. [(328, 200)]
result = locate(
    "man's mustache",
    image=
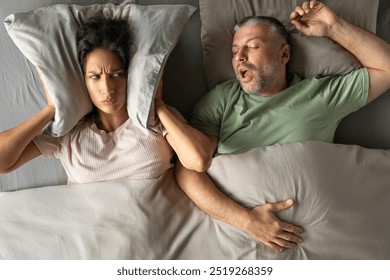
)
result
[(247, 65)]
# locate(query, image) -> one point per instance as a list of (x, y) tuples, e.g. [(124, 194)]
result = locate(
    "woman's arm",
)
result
[(16, 146), (191, 146)]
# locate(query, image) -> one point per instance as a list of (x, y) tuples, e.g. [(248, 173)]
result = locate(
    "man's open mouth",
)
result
[(245, 74)]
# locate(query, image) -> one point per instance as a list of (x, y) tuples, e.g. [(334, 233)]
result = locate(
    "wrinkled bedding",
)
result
[(342, 195)]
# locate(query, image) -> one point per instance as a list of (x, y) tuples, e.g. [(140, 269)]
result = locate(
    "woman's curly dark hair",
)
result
[(100, 32)]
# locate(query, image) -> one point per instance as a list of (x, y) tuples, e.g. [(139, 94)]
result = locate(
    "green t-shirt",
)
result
[(309, 109)]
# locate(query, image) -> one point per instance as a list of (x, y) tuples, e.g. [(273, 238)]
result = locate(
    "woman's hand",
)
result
[(48, 98), (158, 99), (159, 90)]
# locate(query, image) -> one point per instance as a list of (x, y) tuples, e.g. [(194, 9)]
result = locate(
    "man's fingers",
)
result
[(290, 237), (291, 228), (275, 246), (295, 20), (283, 205), (306, 7), (303, 9), (275, 233), (284, 243), (294, 16), (298, 25), (299, 10), (314, 4)]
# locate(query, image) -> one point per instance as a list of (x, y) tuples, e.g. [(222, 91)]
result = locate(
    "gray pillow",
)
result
[(46, 36), (309, 55)]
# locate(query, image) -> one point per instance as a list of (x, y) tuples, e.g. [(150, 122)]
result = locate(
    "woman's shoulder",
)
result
[(82, 125)]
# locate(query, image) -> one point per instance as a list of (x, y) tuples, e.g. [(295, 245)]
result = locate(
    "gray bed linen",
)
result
[(184, 85), (342, 194)]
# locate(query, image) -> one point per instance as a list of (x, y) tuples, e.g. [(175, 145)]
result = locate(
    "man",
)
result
[(264, 107)]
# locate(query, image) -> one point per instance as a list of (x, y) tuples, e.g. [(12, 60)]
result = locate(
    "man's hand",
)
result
[(314, 19), (270, 230)]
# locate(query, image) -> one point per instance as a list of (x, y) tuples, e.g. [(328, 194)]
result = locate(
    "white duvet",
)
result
[(342, 194)]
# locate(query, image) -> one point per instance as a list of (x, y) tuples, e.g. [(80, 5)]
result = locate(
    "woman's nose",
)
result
[(106, 86)]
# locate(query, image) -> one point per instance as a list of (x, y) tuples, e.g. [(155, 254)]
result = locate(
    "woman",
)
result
[(106, 144)]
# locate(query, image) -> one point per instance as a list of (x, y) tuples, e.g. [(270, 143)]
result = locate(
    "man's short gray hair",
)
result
[(275, 25)]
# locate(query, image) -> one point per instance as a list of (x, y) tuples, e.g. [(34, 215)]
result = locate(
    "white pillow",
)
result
[(46, 37)]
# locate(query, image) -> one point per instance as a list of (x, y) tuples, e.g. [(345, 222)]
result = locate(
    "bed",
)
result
[(342, 190)]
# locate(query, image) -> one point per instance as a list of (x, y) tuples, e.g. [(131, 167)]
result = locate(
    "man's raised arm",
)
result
[(315, 19)]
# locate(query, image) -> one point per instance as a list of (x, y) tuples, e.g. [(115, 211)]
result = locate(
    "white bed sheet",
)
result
[(342, 194)]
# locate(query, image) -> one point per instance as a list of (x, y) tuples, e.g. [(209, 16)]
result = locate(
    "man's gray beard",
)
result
[(258, 87), (263, 81)]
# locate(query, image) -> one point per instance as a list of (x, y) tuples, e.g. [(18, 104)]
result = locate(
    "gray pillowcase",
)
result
[(46, 37), (309, 55)]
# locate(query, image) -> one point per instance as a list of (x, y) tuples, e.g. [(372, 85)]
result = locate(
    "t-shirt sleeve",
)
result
[(48, 146), (348, 93), (207, 114)]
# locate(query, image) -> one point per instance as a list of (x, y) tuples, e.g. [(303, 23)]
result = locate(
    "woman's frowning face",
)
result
[(106, 81)]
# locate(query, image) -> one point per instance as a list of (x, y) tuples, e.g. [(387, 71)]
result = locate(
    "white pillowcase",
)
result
[(46, 37)]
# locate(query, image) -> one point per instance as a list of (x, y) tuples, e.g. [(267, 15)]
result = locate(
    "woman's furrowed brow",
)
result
[(118, 70), (93, 72)]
